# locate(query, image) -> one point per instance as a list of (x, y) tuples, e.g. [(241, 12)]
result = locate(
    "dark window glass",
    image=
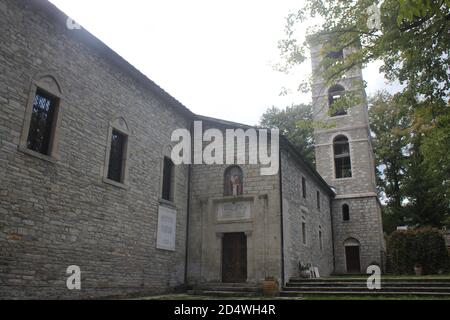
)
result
[(116, 156), (320, 241), (334, 94), (304, 232), (339, 54), (342, 157), (233, 181), (318, 200), (41, 124), (304, 187), (167, 179), (346, 212)]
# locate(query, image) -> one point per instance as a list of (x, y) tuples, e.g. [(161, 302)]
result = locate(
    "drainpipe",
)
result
[(332, 234), (188, 211), (281, 217)]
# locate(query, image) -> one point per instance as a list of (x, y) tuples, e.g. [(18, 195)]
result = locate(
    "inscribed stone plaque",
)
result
[(240, 210), (167, 225)]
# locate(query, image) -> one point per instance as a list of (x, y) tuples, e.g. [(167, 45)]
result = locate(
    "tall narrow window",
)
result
[(304, 232), (233, 181), (345, 212), (117, 156), (342, 161), (318, 200), (304, 187), (42, 122), (167, 187), (320, 240), (335, 93)]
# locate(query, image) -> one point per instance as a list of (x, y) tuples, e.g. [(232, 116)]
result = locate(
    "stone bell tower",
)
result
[(345, 159)]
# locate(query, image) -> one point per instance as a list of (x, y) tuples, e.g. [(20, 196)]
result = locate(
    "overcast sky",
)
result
[(216, 57)]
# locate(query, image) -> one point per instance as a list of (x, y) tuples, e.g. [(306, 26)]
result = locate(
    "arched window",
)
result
[(334, 94), (168, 179), (342, 162), (233, 181), (345, 212), (42, 118), (116, 163)]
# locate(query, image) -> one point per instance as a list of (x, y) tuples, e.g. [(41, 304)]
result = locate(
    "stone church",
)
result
[(86, 178)]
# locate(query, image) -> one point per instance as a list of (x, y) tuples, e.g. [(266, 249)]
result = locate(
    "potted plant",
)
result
[(304, 270), (270, 287), (418, 269)]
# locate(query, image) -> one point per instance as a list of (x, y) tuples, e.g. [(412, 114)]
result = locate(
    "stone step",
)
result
[(363, 283), (228, 294), (220, 284), (360, 293), (228, 288), (364, 288), (363, 279)]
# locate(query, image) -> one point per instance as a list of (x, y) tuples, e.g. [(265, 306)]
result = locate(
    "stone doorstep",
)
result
[(230, 294)]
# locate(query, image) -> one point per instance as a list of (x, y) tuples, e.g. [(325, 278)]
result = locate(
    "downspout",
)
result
[(188, 211), (281, 217), (332, 233)]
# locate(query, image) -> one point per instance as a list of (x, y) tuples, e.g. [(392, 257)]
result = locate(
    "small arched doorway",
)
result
[(352, 255)]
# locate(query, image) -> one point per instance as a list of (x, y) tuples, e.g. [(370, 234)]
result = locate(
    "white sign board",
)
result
[(167, 226), (240, 210)]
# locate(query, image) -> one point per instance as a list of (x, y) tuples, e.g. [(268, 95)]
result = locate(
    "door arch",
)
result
[(352, 255)]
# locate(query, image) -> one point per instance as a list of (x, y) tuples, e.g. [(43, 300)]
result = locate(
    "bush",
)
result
[(425, 246)]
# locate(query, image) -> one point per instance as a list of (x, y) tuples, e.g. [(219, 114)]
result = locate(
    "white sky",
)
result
[(216, 57)]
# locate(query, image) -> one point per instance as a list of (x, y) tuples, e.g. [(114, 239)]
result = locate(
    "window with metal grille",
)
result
[(42, 122)]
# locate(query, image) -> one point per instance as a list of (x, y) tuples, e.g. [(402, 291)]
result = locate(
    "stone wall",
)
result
[(54, 214), (358, 191), (365, 226), (298, 210), (262, 229)]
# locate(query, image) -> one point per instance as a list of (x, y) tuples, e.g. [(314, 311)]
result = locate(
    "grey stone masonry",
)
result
[(57, 212), (358, 191), (261, 227), (315, 247)]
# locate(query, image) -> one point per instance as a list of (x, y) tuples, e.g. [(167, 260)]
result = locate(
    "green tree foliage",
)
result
[(409, 175), (424, 246), (412, 40), (295, 123)]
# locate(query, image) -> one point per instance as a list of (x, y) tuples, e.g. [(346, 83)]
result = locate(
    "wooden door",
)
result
[(234, 258), (352, 257)]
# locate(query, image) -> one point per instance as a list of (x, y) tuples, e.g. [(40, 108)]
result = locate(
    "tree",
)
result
[(295, 123), (411, 179), (390, 119), (412, 40)]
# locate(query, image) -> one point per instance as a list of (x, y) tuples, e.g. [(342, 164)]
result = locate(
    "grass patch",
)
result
[(304, 297), (192, 297), (374, 297)]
